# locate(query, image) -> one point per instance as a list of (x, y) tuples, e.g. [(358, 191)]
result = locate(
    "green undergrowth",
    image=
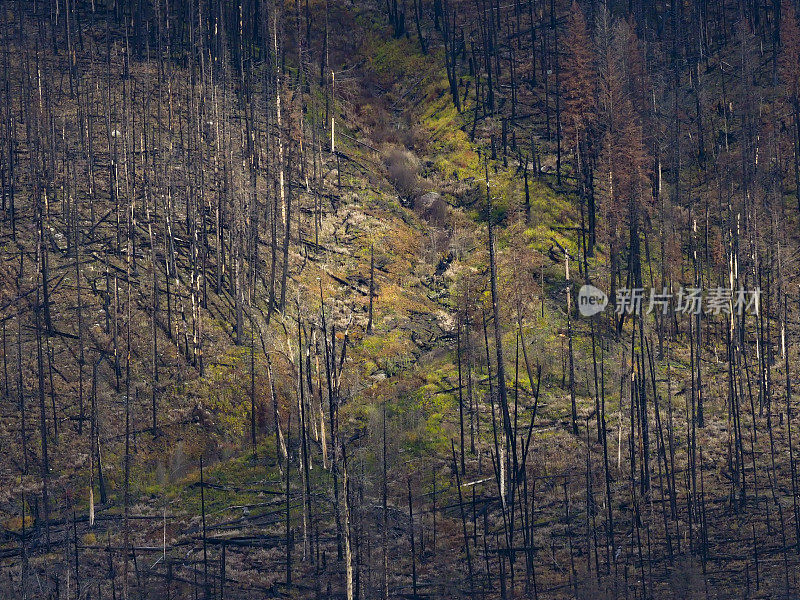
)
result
[(419, 393), (244, 480), (391, 58)]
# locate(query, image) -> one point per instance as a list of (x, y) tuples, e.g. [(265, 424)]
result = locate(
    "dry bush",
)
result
[(588, 588), (686, 580), (403, 169), (433, 208), (393, 130)]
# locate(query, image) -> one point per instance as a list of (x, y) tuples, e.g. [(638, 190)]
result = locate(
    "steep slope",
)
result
[(193, 270)]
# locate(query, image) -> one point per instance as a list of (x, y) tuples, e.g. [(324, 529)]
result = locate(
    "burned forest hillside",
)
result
[(372, 299)]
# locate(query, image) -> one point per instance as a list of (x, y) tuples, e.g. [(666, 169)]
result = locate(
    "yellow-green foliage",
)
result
[(15, 523), (549, 208), (453, 153), (390, 352), (394, 58), (236, 481), (428, 412), (225, 391)]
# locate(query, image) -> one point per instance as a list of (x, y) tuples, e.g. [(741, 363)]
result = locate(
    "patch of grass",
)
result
[(238, 481), (454, 155), (390, 352), (393, 58), (224, 390)]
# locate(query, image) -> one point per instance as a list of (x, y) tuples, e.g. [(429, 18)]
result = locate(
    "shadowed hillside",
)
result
[(292, 299)]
